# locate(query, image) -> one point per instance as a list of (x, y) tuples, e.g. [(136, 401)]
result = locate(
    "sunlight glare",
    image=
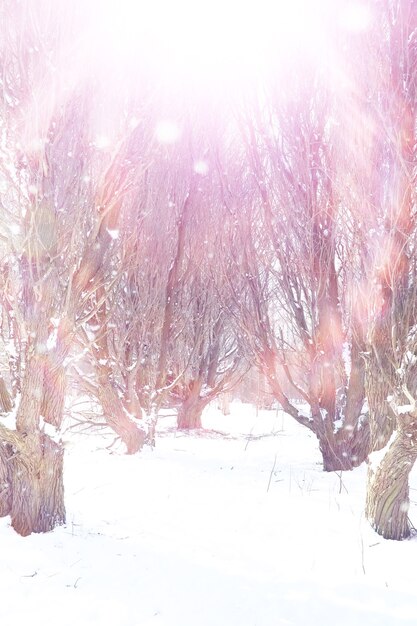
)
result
[(200, 38), (167, 132), (201, 167), (355, 17)]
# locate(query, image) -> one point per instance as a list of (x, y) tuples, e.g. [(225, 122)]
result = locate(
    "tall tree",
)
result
[(391, 335), (294, 266), (378, 140)]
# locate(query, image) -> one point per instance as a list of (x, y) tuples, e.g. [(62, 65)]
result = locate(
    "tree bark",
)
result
[(53, 400), (349, 446), (55, 380), (189, 415), (31, 463), (36, 484), (345, 449), (191, 408), (387, 499), (5, 490), (379, 385), (132, 436), (5, 399)]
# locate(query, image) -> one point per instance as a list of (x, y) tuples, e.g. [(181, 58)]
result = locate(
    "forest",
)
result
[(177, 218)]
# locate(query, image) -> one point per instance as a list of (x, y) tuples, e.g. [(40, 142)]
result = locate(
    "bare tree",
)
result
[(378, 139), (291, 302), (133, 335), (391, 334), (61, 201), (166, 333), (205, 346)]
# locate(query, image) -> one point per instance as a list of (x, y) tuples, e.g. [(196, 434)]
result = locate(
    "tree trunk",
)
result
[(53, 400), (340, 426), (31, 463), (345, 449), (5, 399), (342, 447), (189, 414), (387, 500), (5, 490), (192, 406), (32, 491), (379, 386), (349, 446), (132, 436), (36, 485), (224, 403)]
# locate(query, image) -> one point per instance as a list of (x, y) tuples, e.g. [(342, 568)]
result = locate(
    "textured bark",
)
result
[(349, 446), (345, 449), (5, 490), (5, 399), (379, 386), (54, 386), (192, 406), (132, 436), (31, 463), (27, 418), (387, 500), (52, 408), (36, 484), (355, 391), (31, 482), (189, 414)]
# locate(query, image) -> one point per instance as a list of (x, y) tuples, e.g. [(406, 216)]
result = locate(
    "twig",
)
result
[(341, 483), (363, 556), (270, 475), (249, 438)]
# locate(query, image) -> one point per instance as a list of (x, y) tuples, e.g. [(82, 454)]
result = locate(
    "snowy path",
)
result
[(202, 532)]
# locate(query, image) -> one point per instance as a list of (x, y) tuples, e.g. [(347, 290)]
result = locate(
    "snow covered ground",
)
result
[(210, 530)]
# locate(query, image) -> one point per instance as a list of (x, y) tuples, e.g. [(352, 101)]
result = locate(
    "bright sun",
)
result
[(208, 39), (195, 49)]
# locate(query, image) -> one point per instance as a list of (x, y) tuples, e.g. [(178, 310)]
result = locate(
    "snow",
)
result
[(376, 457), (10, 348), (114, 233), (347, 359), (14, 228), (405, 408), (236, 526), (50, 430), (52, 339)]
